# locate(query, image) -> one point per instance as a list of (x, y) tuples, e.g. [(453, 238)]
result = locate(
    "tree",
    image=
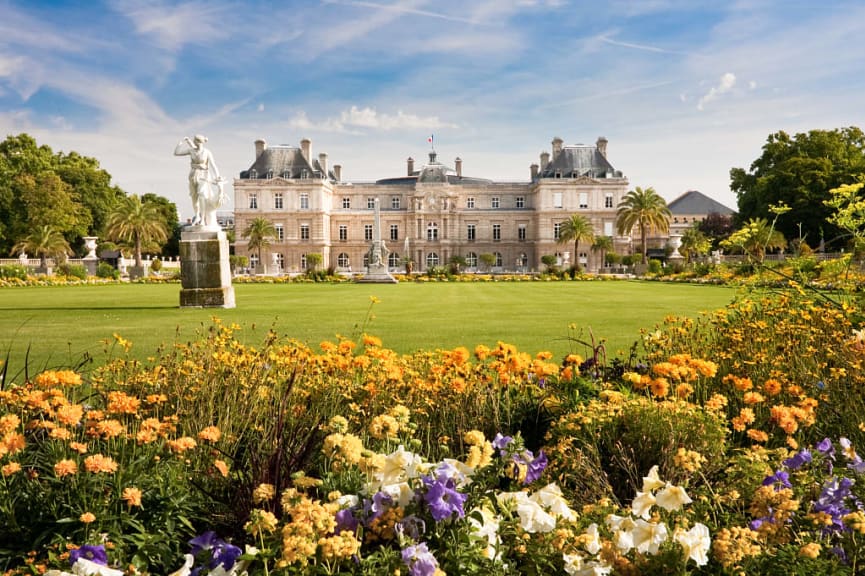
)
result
[(755, 238), (313, 259), (259, 233), (694, 242), (44, 242), (488, 259), (168, 211), (576, 229), (602, 244), (646, 209), (136, 223), (716, 227), (799, 171)]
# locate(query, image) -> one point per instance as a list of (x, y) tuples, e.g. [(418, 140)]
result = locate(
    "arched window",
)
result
[(499, 259), (471, 260), (432, 260), (522, 260), (342, 260), (432, 231), (393, 260)]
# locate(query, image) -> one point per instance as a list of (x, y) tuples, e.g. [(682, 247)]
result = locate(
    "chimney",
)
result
[(602, 146), (534, 169), (260, 147), (337, 172), (322, 160), (545, 160), (410, 165), (459, 166), (557, 147), (306, 149)]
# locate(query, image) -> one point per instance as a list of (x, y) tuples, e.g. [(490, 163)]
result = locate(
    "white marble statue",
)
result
[(205, 183)]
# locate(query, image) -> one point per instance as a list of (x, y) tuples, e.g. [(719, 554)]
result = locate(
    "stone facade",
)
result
[(428, 215)]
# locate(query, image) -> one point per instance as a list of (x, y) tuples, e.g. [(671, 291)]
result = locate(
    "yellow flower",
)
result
[(222, 467), (10, 469), (810, 550), (132, 496), (260, 522), (87, 517), (210, 434), (66, 468), (263, 493), (181, 445), (474, 438)]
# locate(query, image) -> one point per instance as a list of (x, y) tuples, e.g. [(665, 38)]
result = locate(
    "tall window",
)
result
[(394, 231), (608, 200), (470, 232), (432, 259), (608, 227), (432, 232), (346, 202), (497, 232), (280, 232), (253, 201), (280, 260), (494, 203), (521, 233), (342, 260), (367, 231), (584, 200), (557, 230), (304, 201), (304, 231), (370, 202), (499, 259), (253, 261), (343, 232), (394, 202), (277, 200), (471, 260), (522, 260), (521, 201), (303, 261), (470, 202), (557, 200), (393, 260)]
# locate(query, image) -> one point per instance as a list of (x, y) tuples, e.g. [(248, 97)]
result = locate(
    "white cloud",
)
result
[(174, 25), (260, 108), (356, 120), (726, 83)]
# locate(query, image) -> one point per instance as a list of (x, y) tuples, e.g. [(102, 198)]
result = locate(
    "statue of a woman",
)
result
[(203, 176)]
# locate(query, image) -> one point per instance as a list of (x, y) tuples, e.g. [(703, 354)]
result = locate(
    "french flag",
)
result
[(430, 139)]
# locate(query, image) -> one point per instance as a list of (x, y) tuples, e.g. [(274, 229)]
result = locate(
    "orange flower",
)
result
[(53, 378), (684, 390), (87, 517), (371, 341), (753, 397), (122, 403), (10, 469), (109, 429), (757, 435), (66, 468), (181, 445), (659, 387), (132, 496), (222, 467), (98, 463), (210, 434), (11, 443), (772, 387), (78, 447), (9, 422), (60, 434)]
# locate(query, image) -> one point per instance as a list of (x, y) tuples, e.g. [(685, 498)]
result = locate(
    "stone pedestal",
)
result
[(205, 274), (377, 274)]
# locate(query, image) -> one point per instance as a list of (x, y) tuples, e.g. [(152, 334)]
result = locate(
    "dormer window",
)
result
[(253, 174), (286, 174), (270, 174), (304, 174)]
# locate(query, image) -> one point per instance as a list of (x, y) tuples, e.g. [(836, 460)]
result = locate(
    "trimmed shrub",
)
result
[(106, 270)]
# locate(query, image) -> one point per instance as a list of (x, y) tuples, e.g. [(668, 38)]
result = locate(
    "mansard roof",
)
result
[(695, 202), (283, 162), (576, 161)]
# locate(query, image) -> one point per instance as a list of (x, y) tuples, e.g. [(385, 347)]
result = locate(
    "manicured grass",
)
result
[(61, 324)]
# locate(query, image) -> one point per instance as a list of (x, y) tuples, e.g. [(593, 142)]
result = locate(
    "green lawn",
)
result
[(61, 324)]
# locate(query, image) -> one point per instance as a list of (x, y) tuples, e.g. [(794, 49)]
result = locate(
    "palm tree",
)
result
[(577, 228), (602, 244), (44, 242), (259, 233), (646, 208), (140, 224), (694, 242)]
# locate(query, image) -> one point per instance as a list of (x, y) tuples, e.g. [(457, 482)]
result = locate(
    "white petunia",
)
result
[(649, 536), (622, 527), (652, 481), (672, 498), (487, 529), (551, 497), (695, 542), (533, 517), (593, 542), (84, 567), (642, 505)]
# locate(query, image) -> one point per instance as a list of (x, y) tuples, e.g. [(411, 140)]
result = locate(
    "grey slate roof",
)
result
[(695, 202), (282, 162), (434, 171), (576, 161)]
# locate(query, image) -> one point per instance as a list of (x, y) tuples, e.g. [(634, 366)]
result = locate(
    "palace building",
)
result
[(430, 214)]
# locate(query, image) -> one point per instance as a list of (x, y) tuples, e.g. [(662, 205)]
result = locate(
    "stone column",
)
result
[(205, 274)]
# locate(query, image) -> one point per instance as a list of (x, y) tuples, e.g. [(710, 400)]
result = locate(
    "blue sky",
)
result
[(683, 90)]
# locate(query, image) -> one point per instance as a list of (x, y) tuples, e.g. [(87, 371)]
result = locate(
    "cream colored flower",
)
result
[(672, 498)]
